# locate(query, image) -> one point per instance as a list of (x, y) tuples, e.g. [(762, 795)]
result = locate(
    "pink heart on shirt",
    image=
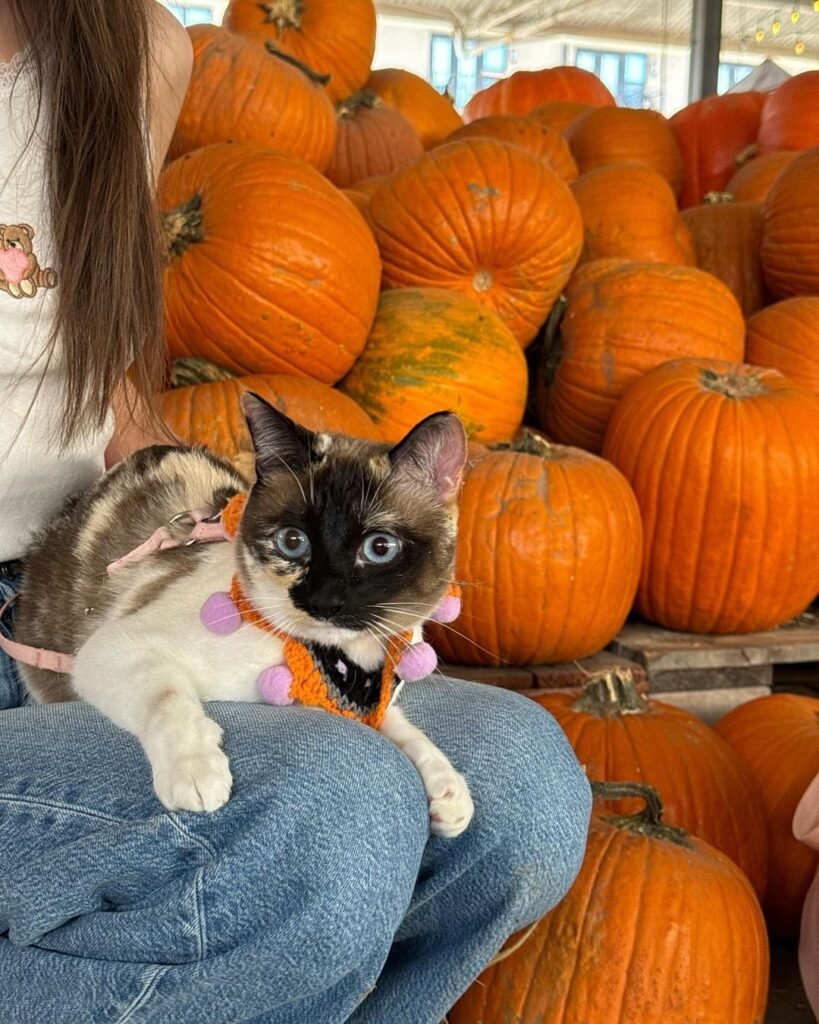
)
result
[(13, 264)]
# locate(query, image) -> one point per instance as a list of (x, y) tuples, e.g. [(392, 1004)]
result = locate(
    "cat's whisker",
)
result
[(469, 640)]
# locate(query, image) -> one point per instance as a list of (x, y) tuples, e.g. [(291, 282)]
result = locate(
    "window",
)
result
[(730, 74), (463, 77), (193, 14), (623, 74)]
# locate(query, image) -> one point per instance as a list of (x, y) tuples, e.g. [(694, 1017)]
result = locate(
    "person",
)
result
[(315, 895)]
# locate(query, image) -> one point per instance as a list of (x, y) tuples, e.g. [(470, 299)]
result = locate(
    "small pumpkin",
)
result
[(432, 115), (525, 91), (724, 460), (777, 737), (790, 117), (536, 139), (481, 217), (548, 556), (559, 114), (373, 141), (431, 349), (785, 336), (790, 237), (753, 180)]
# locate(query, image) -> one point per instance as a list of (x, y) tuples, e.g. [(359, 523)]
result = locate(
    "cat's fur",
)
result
[(142, 655)]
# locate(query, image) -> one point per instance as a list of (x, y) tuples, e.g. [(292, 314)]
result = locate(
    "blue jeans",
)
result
[(314, 896)]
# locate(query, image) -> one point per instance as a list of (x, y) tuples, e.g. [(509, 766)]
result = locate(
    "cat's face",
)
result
[(343, 538)]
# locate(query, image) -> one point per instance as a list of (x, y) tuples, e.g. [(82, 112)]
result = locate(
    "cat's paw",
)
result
[(197, 780), (450, 804)]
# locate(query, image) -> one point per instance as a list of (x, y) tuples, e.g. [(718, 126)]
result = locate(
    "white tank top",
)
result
[(35, 476)]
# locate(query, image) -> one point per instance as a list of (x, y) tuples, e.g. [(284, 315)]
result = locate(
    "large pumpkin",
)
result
[(336, 39), (658, 928), (617, 135), (790, 117), (619, 735), (727, 237), (536, 139), (430, 350), (373, 140), (724, 460), (559, 115), (548, 557), (524, 91), (711, 134), (241, 92), (790, 239), (754, 179), (629, 212), (484, 218), (271, 269), (785, 336), (432, 115), (622, 320), (778, 739)]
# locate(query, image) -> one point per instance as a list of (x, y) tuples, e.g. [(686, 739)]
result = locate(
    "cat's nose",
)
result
[(325, 602)]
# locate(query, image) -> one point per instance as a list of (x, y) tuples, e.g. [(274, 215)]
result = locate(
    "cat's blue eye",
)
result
[(380, 548), (292, 543)]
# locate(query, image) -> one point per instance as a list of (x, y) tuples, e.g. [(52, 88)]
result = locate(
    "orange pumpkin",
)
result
[(373, 141), (538, 140), (240, 92), (549, 551), (271, 270), (524, 91), (629, 212), (790, 238), (724, 460), (790, 117), (617, 135), (332, 38), (361, 193), (754, 179), (618, 735), (559, 114), (727, 238), (622, 320), (430, 350), (484, 218), (657, 928), (785, 336), (432, 115), (778, 739)]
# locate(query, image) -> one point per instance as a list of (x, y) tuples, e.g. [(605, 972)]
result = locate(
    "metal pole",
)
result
[(706, 36)]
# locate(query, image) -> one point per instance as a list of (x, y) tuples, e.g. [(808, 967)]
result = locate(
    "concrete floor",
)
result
[(787, 1003)]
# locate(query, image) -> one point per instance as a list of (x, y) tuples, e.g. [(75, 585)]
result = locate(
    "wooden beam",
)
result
[(706, 40)]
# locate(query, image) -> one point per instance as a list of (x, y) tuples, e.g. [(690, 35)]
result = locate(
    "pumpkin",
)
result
[(724, 460), (778, 739), (332, 38), (658, 928), (373, 141), (712, 134), (790, 117), (727, 237), (616, 135), (361, 193), (431, 350), (240, 92), (271, 268), (753, 180), (549, 550), (559, 114), (790, 238), (623, 319), (485, 218), (629, 212), (432, 115), (618, 734), (785, 336), (525, 91), (538, 140)]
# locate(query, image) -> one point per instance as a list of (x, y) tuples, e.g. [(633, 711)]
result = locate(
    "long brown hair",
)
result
[(92, 64)]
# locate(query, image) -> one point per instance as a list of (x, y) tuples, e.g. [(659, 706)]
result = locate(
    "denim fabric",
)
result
[(314, 896), (12, 691)]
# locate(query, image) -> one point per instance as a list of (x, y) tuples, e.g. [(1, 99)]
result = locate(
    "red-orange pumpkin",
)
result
[(539, 141), (336, 39), (785, 336), (778, 739), (560, 114), (241, 92), (548, 556), (524, 91), (432, 115), (754, 179), (790, 117), (373, 141), (272, 269), (485, 218), (790, 239), (724, 460)]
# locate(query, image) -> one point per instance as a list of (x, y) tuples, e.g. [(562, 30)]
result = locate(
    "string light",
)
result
[(799, 48), (795, 16), (759, 35), (816, 6), (776, 27)]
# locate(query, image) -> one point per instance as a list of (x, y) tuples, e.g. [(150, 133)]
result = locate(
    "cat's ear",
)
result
[(279, 443), (433, 455)]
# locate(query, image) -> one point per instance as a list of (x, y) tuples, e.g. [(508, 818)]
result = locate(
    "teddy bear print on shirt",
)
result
[(20, 272)]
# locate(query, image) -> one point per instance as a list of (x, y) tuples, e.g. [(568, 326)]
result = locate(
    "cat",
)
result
[(341, 543)]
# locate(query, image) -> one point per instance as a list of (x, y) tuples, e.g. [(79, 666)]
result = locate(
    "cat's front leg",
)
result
[(450, 804)]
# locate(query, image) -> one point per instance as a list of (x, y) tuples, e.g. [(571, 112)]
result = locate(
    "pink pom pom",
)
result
[(448, 610), (274, 685), (220, 615), (417, 662)]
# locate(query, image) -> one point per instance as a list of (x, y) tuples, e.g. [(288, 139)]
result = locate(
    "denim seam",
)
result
[(14, 798), (201, 925), (143, 995), (192, 837)]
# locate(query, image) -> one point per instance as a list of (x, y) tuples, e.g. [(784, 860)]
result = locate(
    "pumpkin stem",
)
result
[(189, 370), (528, 442), (715, 198), (737, 382), (314, 76), (183, 226), (283, 14), (744, 155), (363, 99), (649, 821), (611, 692), (551, 347)]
